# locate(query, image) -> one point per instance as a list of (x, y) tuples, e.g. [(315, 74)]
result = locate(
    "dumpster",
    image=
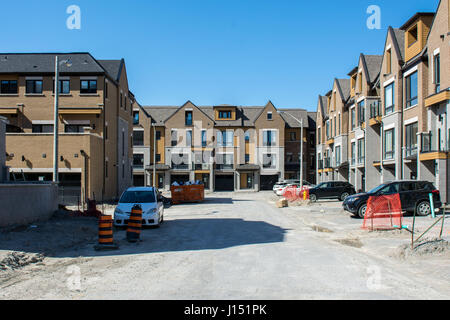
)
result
[(189, 193)]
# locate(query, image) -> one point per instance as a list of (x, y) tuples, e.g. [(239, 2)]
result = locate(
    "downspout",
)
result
[(104, 140)]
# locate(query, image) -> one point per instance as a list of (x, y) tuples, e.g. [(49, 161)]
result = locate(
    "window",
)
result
[(8, 87), (74, 128), (361, 151), (204, 141), (269, 116), (188, 138), (411, 139), (188, 118), (353, 118), (269, 138), (247, 158), (293, 136), (411, 90), (42, 128), (337, 154), (269, 161), (353, 153), (339, 123), (138, 160), (389, 103), (437, 72), (138, 138), (361, 112), (328, 130), (174, 137), (389, 144), (106, 89), (389, 61), (335, 125), (412, 35), (158, 135), (319, 136), (158, 157), (34, 86), (247, 136), (224, 114), (64, 86), (135, 117), (90, 86)]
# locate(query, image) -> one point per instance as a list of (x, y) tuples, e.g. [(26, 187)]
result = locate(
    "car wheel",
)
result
[(362, 211), (344, 196), (313, 197), (423, 209)]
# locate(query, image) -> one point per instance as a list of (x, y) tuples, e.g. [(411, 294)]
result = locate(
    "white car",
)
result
[(150, 201), (280, 192)]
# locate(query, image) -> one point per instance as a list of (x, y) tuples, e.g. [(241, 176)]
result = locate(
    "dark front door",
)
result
[(225, 183), (267, 182)]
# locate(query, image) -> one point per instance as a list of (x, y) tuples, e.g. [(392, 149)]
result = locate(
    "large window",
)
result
[(74, 128), (204, 141), (138, 160), (328, 130), (353, 118), (269, 138), (174, 138), (437, 72), (8, 87), (224, 114), (34, 86), (361, 151), (90, 86), (389, 144), (64, 86), (361, 112), (138, 138), (269, 161), (411, 139), (135, 117), (337, 155), (42, 128), (389, 99), (353, 149), (411, 90), (188, 138), (225, 138), (188, 118)]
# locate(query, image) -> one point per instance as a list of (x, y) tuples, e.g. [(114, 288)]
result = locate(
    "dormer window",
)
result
[(224, 114), (413, 35)]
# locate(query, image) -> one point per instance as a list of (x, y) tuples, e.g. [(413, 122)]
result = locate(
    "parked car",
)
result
[(281, 185), (414, 196), (280, 191), (331, 190), (151, 202)]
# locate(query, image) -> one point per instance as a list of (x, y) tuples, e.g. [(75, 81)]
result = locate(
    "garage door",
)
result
[(267, 182), (225, 183)]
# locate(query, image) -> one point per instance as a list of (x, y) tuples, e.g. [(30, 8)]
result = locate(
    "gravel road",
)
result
[(233, 246)]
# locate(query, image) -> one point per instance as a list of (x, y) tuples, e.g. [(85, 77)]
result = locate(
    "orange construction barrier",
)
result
[(190, 193), (105, 233), (294, 194), (383, 213)]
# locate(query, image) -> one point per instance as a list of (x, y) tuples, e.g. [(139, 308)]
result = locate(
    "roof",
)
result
[(290, 116), (344, 87), (415, 17), (44, 63), (373, 64), (245, 115), (323, 101), (399, 37)]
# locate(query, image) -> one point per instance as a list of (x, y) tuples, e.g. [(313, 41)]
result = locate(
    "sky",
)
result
[(211, 52)]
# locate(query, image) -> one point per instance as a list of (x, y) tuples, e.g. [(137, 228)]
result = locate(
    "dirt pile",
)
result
[(16, 260), (431, 247)]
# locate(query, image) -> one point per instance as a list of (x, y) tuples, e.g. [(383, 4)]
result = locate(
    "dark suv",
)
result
[(414, 196), (331, 190)]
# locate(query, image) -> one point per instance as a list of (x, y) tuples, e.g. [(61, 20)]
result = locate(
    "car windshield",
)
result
[(376, 189), (138, 197), (322, 185)]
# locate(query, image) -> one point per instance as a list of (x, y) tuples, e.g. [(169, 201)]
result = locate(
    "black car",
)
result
[(414, 196), (331, 190)]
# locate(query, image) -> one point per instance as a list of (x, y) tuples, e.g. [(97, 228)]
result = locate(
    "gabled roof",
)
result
[(372, 66), (344, 88), (418, 15), (398, 36), (113, 67), (323, 101), (290, 116)]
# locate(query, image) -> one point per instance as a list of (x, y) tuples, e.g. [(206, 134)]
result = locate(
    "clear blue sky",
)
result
[(242, 52)]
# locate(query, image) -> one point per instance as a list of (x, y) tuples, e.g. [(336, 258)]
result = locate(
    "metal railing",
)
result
[(375, 110)]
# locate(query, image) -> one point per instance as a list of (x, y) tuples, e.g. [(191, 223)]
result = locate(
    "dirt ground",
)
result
[(208, 251)]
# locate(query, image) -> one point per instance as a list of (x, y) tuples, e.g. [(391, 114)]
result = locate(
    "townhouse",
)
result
[(228, 148), (397, 110), (94, 123)]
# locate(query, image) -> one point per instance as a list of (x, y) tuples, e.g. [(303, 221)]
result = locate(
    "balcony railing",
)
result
[(180, 166), (320, 164), (224, 167), (375, 110), (431, 143), (410, 151), (328, 163), (202, 167)]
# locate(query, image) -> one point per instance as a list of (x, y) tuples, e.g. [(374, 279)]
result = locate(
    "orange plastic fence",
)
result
[(192, 193), (292, 194), (383, 213)]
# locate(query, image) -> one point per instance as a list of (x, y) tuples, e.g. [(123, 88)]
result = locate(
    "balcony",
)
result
[(411, 152), (224, 167), (202, 167), (431, 147), (330, 141), (182, 166), (375, 113)]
